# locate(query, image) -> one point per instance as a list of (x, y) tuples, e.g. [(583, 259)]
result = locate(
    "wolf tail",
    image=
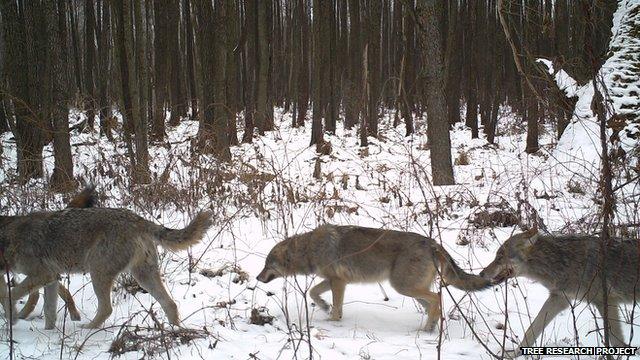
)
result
[(180, 239), (452, 274)]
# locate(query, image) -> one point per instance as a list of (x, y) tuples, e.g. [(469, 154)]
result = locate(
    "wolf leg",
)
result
[(50, 305), (615, 325), (148, 277), (431, 303), (417, 287), (65, 295), (30, 284), (553, 306), (102, 283), (317, 290), (30, 305), (337, 291)]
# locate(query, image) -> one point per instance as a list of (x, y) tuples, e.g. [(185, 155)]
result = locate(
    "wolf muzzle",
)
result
[(266, 276)]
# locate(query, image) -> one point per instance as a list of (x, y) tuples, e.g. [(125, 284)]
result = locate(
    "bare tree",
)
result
[(427, 13)]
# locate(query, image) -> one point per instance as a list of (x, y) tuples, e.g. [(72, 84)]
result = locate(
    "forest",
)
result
[(465, 121)]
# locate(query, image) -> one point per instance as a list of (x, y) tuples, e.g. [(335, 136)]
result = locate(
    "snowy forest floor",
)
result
[(268, 192)]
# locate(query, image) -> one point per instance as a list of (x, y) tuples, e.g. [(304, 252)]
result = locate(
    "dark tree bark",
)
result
[(303, 80), (213, 125), (320, 54), (130, 92), (233, 103), (352, 101), (178, 107), (191, 79), (471, 90), (104, 45), (375, 87), (249, 69), (264, 109), (75, 45), (20, 58), (62, 177), (427, 13), (140, 77), (453, 57), (90, 62), (162, 75)]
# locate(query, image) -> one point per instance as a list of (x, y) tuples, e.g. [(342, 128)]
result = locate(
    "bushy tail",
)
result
[(85, 199), (180, 239), (452, 274)]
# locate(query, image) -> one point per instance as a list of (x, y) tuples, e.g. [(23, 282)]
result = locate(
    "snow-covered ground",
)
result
[(269, 192)]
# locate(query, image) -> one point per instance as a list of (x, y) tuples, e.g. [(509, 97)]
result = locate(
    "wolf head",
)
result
[(277, 264), (510, 258)]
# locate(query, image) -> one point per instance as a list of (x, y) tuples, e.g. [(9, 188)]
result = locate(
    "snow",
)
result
[(270, 193), (267, 192)]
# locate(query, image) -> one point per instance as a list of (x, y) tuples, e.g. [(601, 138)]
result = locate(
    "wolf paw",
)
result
[(335, 315), (75, 316), (88, 326), (432, 328)]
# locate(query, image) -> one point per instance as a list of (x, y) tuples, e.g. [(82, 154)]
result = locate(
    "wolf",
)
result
[(85, 199), (570, 267), (350, 254), (100, 241)]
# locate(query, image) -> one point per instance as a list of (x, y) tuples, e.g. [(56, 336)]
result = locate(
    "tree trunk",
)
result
[(318, 73), (89, 64), (191, 77), (303, 81), (249, 64), (75, 44), (104, 34), (352, 103), (427, 13), (161, 73), (20, 60), (264, 110), (453, 60), (375, 88), (231, 71), (178, 107), (213, 124), (62, 177)]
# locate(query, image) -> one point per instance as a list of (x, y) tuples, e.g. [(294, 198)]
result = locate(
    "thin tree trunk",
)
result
[(264, 110), (103, 64), (213, 124), (62, 177), (428, 12), (303, 82), (178, 107), (89, 64), (191, 79)]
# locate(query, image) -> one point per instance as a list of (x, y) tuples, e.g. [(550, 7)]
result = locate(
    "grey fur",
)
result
[(352, 254), (99, 241), (85, 199), (569, 267)]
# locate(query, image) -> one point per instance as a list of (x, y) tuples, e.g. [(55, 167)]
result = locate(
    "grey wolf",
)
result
[(100, 241), (351, 254), (85, 199), (569, 267)]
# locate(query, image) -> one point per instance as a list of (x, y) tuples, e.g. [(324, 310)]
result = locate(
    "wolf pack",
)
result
[(105, 242)]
